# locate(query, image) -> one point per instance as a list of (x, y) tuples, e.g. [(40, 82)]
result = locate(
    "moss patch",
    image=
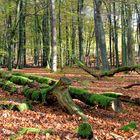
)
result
[(9, 86), (89, 98), (132, 125), (20, 80), (85, 131), (39, 79)]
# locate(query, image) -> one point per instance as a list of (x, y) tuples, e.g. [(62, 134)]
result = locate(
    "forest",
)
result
[(69, 69)]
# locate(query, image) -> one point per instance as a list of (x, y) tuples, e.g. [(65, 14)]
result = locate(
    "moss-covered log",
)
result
[(95, 99), (120, 69), (39, 79), (106, 73), (40, 95), (8, 86), (123, 98)]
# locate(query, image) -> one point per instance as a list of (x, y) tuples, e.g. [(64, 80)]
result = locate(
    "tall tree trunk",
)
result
[(21, 35), (80, 29), (67, 45), (9, 42), (73, 36), (123, 36), (138, 31), (37, 38), (99, 33), (130, 39), (116, 35), (46, 37), (110, 33), (60, 36), (53, 36), (24, 27)]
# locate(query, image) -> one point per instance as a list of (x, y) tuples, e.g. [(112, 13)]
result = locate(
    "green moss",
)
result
[(90, 98), (23, 107), (85, 131), (39, 79), (26, 92), (20, 74), (101, 100), (35, 95), (132, 125), (5, 75), (9, 86), (77, 92), (20, 80)]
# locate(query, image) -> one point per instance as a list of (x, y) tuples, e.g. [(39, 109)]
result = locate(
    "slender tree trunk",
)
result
[(116, 36), (99, 33), (67, 45), (138, 31), (21, 35), (37, 39), (110, 34), (123, 37), (60, 36), (24, 27), (130, 39), (9, 42), (80, 29), (73, 36), (53, 36), (46, 37)]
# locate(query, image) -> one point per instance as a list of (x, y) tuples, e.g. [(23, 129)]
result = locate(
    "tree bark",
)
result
[(99, 34), (53, 36)]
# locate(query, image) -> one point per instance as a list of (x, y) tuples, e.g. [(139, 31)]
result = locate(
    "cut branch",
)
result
[(132, 85)]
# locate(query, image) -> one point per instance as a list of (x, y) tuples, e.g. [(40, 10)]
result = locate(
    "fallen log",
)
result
[(123, 98), (109, 73), (95, 99), (8, 86), (38, 79)]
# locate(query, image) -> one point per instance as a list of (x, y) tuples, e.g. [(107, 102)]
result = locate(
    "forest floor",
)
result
[(106, 123)]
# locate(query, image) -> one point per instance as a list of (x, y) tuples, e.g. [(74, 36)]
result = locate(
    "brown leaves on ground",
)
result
[(106, 124)]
